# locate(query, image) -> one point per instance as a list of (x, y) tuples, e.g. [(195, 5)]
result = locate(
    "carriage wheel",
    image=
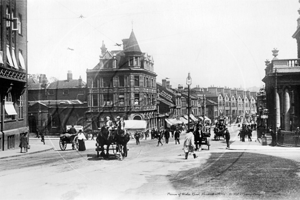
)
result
[(76, 143), (62, 145)]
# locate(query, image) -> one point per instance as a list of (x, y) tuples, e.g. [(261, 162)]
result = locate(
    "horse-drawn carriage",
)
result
[(69, 138), (205, 136), (118, 139), (219, 129)]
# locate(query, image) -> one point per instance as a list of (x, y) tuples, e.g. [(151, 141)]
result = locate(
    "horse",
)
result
[(104, 138), (122, 139)]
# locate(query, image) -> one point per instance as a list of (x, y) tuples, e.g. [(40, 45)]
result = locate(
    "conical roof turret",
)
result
[(132, 44)]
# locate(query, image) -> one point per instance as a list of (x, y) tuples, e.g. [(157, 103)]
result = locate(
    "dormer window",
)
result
[(130, 62)]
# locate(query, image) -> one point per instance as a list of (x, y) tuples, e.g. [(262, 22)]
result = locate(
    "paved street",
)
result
[(247, 171)]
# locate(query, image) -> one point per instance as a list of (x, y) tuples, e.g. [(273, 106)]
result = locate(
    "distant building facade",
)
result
[(13, 73), (53, 106)]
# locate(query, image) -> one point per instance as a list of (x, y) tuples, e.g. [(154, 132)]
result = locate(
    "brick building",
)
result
[(54, 105), (13, 73), (123, 84)]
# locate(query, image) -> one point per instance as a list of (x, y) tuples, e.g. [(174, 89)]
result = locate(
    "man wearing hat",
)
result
[(120, 124), (109, 126), (227, 137)]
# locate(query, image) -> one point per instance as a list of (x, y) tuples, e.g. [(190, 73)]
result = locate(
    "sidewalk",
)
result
[(36, 146), (256, 144), (51, 143)]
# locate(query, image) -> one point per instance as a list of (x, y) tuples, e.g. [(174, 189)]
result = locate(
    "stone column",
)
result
[(287, 106), (277, 114)]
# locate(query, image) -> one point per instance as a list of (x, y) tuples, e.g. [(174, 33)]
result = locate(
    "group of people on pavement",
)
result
[(246, 131)]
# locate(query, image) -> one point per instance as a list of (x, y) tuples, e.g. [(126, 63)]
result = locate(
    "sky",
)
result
[(222, 43)]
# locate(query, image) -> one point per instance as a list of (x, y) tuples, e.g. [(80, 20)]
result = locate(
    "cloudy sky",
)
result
[(220, 42)]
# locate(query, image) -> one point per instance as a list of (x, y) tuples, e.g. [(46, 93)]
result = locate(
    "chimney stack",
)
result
[(125, 43), (79, 82), (168, 84), (180, 88), (69, 76), (164, 82)]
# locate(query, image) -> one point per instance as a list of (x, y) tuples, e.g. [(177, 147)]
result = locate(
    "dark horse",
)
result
[(120, 139)]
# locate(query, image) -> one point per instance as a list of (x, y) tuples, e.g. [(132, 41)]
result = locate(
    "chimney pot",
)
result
[(69, 76)]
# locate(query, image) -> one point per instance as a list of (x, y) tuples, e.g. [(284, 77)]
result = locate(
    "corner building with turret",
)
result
[(123, 84)]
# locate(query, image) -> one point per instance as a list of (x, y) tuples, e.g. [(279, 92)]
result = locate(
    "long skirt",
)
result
[(81, 145)]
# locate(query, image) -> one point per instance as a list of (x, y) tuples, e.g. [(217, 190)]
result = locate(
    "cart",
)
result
[(219, 129), (205, 136), (67, 138)]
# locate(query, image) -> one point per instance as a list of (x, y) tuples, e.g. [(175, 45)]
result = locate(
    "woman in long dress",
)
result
[(81, 138)]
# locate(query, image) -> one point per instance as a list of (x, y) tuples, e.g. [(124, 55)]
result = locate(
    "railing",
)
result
[(282, 64)]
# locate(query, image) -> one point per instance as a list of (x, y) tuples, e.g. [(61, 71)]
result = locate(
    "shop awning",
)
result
[(193, 118), (183, 120), (9, 108), (205, 118), (22, 61), (135, 124), (14, 59), (9, 59), (173, 121), (1, 57)]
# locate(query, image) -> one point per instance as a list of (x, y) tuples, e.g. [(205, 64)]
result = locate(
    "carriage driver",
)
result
[(120, 124), (109, 125)]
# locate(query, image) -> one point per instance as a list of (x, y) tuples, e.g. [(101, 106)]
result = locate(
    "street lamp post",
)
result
[(189, 82), (203, 111)]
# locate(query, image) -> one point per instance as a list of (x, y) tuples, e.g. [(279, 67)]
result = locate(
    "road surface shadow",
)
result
[(95, 158), (240, 175)]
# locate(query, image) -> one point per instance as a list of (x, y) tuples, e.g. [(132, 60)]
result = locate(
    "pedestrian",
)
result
[(189, 144), (227, 138), (297, 132), (249, 133), (173, 129), (23, 142), (273, 135), (159, 137), (242, 133), (167, 136), (137, 138), (42, 136), (72, 130), (81, 138), (177, 136), (197, 137)]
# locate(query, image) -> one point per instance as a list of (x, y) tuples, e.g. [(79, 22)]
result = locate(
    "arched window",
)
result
[(137, 117)]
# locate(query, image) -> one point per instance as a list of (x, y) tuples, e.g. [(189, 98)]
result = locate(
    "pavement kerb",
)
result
[(24, 154)]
